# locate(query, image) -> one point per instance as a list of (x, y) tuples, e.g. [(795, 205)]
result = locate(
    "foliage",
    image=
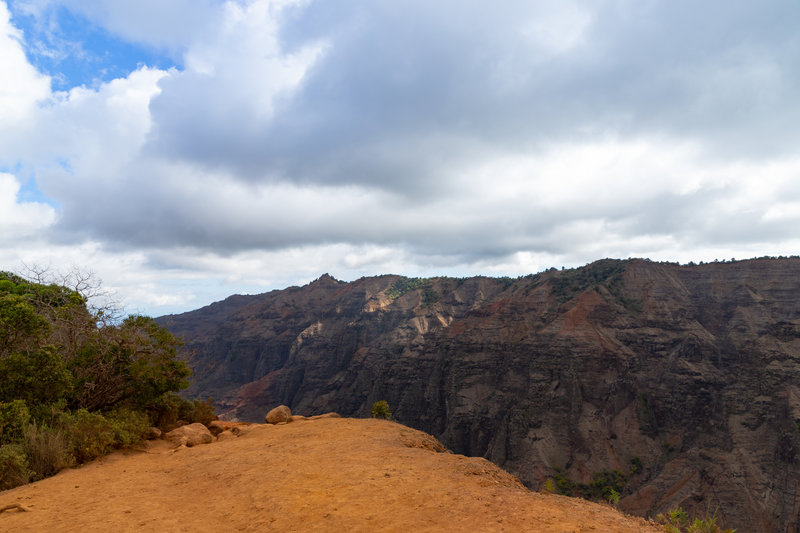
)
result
[(47, 448), (677, 521), (605, 485), (76, 382), (405, 285), (564, 485), (606, 272), (606, 482), (201, 411), (131, 364), (429, 296), (129, 427), (14, 417), (90, 434), (20, 323), (570, 283), (13, 466), (168, 409), (636, 465), (38, 376), (549, 486), (380, 409)]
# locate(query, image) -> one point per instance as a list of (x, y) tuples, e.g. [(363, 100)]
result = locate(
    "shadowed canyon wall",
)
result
[(686, 379)]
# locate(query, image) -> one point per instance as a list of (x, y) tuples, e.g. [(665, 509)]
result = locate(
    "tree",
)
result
[(131, 364), (380, 409)]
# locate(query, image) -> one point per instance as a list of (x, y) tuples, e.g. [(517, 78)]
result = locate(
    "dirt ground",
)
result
[(320, 475)]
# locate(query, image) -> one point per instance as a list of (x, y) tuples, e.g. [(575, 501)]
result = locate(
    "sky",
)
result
[(188, 150)]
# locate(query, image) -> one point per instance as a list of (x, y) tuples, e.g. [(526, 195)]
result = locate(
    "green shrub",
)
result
[(129, 427), (14, 417), (380, 409), (169, 408), (606, 482), (91, 435), (564, 485), (636, 465), (14, 469), (405, 285), (48, 450), (202, 411), (549, 486), (38, 376), (50, 414), (677, 521), (21, 325), (165, 411)]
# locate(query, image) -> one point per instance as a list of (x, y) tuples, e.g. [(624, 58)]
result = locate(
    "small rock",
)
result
[(278, 415), (297, 418), (224, 435), (190, 435), (242, 429), (218, 426), (153, 433)]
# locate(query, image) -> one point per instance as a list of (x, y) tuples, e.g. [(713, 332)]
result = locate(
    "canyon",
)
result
[(674, 385)]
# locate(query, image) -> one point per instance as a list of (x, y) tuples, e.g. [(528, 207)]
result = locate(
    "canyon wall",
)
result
[(684, 379)]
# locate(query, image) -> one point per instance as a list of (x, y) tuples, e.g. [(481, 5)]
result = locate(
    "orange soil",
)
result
[(320, 475)]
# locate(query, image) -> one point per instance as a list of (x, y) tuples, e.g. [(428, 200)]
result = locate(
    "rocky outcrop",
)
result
[(278, 415), (190, 435), (683, 379)]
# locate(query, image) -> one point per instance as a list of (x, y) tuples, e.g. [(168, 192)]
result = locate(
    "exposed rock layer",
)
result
[(692, 369)]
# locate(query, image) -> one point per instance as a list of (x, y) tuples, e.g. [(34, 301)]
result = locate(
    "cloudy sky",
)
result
[(192, 149)]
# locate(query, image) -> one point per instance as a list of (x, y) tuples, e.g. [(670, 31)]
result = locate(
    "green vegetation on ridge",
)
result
[(75, 385)]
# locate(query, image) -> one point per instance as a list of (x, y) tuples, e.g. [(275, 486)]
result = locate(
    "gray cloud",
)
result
[(424, 138), (406, 90)]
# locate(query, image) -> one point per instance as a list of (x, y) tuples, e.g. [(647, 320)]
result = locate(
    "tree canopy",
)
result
[(75, 383)]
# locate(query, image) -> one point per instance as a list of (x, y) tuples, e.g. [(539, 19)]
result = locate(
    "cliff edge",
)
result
[(320, 475)]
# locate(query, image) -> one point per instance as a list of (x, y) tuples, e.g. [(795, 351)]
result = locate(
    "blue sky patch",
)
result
[(74, 51)]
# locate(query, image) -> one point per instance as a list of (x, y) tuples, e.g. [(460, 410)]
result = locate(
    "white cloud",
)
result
[(20, 220), (21, 86), (415, 138)]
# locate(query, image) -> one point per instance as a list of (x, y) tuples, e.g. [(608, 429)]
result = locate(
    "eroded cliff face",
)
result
[(690, 371)]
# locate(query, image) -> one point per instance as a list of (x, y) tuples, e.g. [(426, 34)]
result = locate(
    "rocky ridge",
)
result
[(681, 379)]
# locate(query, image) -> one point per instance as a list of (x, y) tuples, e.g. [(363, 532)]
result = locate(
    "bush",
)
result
[(380, 409), (129, 427), (14, 469), (38, 376), (48, 450), (606, 483), (201, 411), (91, 435), (677, 521), (14, 417), (169, 408)]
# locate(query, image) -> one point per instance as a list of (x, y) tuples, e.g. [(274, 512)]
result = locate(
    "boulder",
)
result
[(190, 435), (218, 426), (153, 433), (278, 415)]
